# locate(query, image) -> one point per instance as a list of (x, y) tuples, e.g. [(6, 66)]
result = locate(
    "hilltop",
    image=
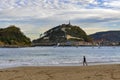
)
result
[(13, 36), (63, 33)]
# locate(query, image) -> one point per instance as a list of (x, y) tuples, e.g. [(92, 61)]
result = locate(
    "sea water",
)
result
[(58, 56)]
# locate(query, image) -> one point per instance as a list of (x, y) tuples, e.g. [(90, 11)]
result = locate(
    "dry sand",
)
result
[(99, 72)]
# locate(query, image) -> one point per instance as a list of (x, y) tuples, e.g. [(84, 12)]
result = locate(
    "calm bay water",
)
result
[(57, 56)]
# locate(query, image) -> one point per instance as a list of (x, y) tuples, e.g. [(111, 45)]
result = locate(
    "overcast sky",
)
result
[(36, 16)]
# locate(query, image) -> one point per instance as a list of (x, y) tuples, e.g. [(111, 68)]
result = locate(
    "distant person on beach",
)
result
[(84, 61)]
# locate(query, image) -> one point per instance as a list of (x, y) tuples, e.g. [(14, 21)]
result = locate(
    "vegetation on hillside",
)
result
[(13, 36)]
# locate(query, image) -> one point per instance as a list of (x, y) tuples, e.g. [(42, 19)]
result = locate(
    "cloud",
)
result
[(112, 4), (41, 9)]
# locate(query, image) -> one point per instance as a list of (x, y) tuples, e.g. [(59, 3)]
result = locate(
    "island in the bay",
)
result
[(64, 35), (61, 35)]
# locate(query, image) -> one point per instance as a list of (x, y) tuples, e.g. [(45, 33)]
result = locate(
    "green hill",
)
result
[(63, 33), (13, 36)]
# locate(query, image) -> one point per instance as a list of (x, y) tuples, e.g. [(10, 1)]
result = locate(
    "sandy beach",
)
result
[(98, 72)]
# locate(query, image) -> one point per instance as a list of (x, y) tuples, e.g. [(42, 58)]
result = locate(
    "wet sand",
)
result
[(98, 72)]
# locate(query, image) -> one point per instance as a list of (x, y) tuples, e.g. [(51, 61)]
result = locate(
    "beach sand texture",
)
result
[(99, 72)]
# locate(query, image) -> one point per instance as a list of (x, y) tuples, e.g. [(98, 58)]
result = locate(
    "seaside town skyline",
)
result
[(37, 16)]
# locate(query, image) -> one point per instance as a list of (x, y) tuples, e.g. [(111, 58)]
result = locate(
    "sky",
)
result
[(36, 16)]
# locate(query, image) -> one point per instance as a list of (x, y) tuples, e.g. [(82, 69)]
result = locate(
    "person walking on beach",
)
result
[(84, 61)]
